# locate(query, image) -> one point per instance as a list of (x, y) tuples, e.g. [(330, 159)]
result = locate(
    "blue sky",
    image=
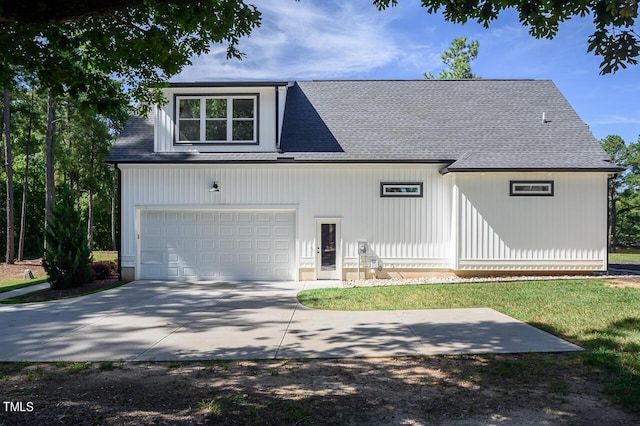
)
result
[(329, 39)]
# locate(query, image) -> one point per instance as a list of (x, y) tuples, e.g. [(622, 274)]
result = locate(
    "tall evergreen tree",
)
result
[(624, 192), (67, 257), (615, 146), (8, 158), (458, 60)]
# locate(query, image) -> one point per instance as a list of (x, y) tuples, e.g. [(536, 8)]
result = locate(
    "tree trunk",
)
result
[(50, 197), (114, 193), (25, 186), (9, 255), (90, 207)]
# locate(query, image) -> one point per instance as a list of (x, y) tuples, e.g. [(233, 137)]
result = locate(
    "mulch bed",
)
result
[(48, 294), (16, 271)]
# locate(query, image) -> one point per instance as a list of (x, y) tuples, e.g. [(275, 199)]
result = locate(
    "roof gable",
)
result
[(468, 124), (488, 123)]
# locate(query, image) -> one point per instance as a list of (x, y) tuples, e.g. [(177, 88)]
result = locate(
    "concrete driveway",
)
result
[(147, 320)]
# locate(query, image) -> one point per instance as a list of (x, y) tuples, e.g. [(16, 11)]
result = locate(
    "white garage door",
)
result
[(217, 245)]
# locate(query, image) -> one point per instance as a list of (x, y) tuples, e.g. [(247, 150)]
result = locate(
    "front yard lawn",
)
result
[(625, 256), (603, 319)]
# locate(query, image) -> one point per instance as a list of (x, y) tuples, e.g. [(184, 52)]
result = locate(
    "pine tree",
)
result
[(67, 257), (458, 59)]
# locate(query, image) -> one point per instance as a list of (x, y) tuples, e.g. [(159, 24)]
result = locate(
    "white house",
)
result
[(331, 179)]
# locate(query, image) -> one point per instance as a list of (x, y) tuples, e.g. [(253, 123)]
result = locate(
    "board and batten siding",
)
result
[(401, 232), (165, 124), (496, 231)]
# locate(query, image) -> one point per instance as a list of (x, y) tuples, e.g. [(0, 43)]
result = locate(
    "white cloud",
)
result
[(351, 39), (316, 39), (616, 119)]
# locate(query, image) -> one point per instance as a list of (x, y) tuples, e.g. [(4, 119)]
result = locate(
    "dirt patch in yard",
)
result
[(625, 280), (629, 281), (528, 389), (16, 271)]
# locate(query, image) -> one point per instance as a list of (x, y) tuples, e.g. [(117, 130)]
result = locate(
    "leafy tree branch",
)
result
[(614, 38)]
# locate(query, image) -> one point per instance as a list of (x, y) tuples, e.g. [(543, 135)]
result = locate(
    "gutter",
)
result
[(229, 84), (284, 158), (446, 170)]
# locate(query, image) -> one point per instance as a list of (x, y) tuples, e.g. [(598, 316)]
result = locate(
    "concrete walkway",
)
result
[(23, 290), (161, 321)]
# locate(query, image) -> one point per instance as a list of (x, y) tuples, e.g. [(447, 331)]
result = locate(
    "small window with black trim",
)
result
[(401, 189), (539, 188)]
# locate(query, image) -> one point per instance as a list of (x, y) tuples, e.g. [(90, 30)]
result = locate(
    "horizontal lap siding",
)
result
[(569, 226), (394, 227)]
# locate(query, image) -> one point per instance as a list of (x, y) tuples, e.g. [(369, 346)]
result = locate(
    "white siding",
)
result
[(565, 231), (465, 221), (165, 124), (402, 232)]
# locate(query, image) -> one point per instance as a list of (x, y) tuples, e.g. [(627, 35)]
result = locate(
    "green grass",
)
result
[(74, 367), (107, 366), (13, 284), (13, 367), (625, 256), (105, 256), (604, 320), (212, 406), (8, 284)]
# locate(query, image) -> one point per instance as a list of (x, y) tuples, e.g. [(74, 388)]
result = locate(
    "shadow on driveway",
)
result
[(149, 320)]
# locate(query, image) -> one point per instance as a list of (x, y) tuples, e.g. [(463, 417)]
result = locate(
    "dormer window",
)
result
[(217, 119)]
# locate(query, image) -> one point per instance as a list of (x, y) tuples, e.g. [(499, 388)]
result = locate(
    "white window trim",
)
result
[(518, 188), (229, 119), (387, 189)]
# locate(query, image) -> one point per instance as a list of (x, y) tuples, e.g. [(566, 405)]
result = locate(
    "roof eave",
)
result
[(229, 84), (613, 169), (277, 160)]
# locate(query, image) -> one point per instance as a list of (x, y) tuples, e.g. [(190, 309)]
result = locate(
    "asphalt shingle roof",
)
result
[(468, 124)]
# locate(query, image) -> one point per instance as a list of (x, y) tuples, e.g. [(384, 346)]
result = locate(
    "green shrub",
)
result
[(67, 256), (102, 270)]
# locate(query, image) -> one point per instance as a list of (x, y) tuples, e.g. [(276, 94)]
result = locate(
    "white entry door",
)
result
[(328, 250)]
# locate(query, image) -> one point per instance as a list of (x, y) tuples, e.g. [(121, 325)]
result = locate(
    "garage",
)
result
[(217, 245)]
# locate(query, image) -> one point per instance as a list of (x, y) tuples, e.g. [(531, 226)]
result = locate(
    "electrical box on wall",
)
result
[(362, 247)]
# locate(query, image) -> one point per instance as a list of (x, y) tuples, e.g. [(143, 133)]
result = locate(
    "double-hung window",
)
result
[(217, 119)]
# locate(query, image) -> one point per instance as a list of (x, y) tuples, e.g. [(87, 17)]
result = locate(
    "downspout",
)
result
[(455, 222), (609, 223), (119, 220)]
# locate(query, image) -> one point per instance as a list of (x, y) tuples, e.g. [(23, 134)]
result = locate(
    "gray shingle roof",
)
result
[(468, 124)]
